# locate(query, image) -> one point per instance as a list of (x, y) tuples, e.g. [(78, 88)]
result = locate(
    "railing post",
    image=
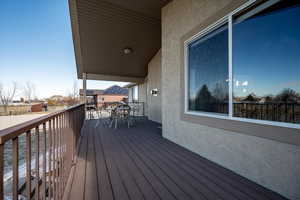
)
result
[(1, 171), (55, 158), (28, 164), (44, 162), (37, 163), (50, 160), (15, 155), (84, 93)]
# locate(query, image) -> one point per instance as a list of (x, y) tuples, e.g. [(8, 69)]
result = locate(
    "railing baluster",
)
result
[(58, 156), (15, 157), (28, 164), (64, 153), (58, 163), (73, 136), (1, 171), (50, 194), (54, 160), (44, 178), (37, 163)]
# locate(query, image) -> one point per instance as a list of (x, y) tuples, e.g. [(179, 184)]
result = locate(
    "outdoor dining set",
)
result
[(115, 114)]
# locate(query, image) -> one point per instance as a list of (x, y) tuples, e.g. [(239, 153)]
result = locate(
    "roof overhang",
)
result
[(102, 29)]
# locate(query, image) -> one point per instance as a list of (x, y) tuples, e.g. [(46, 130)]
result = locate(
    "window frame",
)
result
[(226, 19)]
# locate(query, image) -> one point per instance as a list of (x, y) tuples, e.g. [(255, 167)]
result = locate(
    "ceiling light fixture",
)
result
[(127, 50)]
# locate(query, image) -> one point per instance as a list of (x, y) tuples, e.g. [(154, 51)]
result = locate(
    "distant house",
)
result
[(38, 107), (57, 98), (112, 94)]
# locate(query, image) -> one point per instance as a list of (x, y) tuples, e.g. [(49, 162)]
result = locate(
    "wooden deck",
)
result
[(137, 163)]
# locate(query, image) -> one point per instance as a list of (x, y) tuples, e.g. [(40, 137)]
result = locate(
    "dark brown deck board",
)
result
[(126, 175), (78, 183), (155, 182), (185, 182), (137, 164), (160, 174), (217, 172), (119, 190), (207, 187), (217, 183), (104, 184), (143, 185), (91, 184)]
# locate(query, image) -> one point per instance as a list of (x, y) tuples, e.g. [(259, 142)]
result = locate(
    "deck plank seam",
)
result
[(169, 154), (126, 167), (247, 192), (184, 179), (133, 161), (196, 172), (269, 194), (166, 174), (150, 169)]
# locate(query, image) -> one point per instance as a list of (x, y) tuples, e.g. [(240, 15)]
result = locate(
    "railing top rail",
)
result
[(14, 131)]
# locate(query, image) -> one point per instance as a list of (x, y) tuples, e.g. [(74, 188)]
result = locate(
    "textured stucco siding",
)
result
[(270, 163), (143, 96), (130, 95), (154, 82)]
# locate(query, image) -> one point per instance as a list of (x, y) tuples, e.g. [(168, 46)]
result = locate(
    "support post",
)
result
[(84, 93)]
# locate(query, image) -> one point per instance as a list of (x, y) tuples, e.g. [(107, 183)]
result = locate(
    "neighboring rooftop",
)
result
[(91, 92), (113, 90)]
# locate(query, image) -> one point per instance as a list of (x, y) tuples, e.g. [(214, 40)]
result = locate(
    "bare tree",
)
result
[(73, 94), (29, 91), (7, 95)]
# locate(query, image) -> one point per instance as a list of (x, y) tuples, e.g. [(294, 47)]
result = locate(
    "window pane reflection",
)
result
[(266, 65), (208, 72)]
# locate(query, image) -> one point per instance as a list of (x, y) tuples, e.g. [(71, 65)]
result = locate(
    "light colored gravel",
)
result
[(8, 121)]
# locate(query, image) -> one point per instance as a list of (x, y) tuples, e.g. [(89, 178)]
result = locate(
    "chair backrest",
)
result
[(123, 110)]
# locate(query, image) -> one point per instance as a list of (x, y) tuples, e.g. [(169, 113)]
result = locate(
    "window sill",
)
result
[(278, 131)]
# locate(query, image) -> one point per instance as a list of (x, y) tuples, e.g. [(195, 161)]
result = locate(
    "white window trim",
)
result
[(229, 116)]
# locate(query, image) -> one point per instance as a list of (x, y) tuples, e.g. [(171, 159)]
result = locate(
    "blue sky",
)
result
[(36, 46), (266, 53), (265, 56)]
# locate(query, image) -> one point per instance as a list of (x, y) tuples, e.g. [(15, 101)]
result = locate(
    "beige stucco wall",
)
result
[(272, 164), (154, 82), (143, 96), (130, 94)]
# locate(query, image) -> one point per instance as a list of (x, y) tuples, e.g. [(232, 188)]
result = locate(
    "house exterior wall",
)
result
[(273, 164), (130, 94), (143, 96), (154, 82)]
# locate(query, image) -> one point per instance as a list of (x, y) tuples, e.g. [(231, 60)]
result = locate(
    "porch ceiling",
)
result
[(103, 28)]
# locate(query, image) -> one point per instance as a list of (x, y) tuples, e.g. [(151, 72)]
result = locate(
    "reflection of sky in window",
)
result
[(208, 61), (266, 53)]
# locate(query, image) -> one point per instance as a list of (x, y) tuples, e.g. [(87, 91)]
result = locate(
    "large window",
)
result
[(208, 72), (247, 66)]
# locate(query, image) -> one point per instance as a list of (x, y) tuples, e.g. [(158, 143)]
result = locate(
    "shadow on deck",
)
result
[(137, 163)]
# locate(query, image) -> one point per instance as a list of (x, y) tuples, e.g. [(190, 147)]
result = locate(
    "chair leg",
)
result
[(111, 123), (116, 123)]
